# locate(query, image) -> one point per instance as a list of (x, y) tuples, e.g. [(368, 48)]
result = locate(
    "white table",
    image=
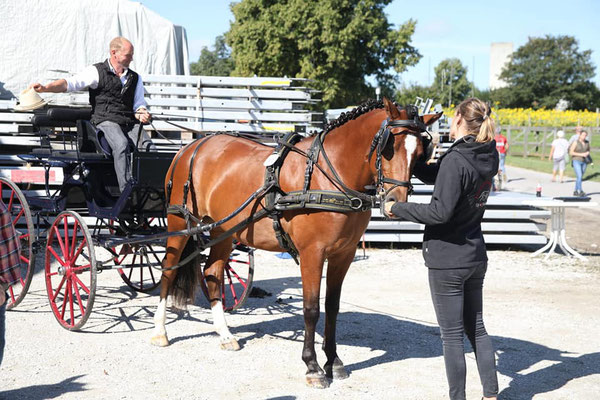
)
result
[(558, 236)]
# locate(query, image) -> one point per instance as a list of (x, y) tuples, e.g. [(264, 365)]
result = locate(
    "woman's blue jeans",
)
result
[(579, 167)]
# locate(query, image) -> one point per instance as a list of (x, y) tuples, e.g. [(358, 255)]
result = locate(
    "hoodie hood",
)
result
[(483, 157)]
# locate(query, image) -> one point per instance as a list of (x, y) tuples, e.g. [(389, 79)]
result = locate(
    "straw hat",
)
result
[(30, 100)]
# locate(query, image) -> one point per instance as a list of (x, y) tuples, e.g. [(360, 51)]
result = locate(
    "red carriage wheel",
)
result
[(70, 270), (22, 221), (237, 278)]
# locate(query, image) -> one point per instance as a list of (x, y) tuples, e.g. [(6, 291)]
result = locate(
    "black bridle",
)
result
[(380, 142)]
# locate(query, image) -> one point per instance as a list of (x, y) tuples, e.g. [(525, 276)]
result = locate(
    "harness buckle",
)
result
[(356, 203)]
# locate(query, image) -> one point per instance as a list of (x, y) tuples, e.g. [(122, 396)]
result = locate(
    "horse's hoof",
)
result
[(317, 380), (337, 372), (159, 340), (230, 345)]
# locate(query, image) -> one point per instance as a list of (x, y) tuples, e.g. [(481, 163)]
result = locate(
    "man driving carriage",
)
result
[(117, 100)]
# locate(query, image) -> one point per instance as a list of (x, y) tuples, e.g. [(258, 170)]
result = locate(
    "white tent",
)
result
[(41, 37)]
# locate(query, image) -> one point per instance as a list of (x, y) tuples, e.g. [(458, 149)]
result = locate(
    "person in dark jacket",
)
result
[(117, 99), (453, 245)]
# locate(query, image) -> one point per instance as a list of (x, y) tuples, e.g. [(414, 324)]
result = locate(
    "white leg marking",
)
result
[(219, 322), (160, 317), (410, 144)]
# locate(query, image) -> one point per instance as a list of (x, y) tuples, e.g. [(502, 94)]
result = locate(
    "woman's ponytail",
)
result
[(477, 116)]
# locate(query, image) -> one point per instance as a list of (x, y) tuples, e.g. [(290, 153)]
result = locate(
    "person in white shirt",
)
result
[(558, 154), (117, 100)]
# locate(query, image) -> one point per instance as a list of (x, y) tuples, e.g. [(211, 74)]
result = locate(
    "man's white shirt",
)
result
[(89, 77)]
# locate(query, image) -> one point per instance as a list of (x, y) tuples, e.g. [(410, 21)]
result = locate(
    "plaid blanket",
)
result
[(9, 249)]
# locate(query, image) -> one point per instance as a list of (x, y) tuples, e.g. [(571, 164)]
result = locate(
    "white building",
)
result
[(499, 55)]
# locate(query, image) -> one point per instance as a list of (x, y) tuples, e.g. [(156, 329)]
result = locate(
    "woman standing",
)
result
[(453, 245), (579, 149), (558, 153)]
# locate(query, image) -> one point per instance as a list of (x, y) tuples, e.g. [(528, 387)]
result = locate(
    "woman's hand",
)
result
[(388, 208)]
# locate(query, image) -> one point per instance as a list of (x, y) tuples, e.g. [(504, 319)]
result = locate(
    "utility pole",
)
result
[(450, 88)]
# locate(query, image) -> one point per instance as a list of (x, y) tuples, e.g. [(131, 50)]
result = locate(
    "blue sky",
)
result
[(460, 28)]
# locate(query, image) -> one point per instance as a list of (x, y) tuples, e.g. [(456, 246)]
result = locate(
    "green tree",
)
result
[(450, 83), (336, 43), (214, 63), (547, 69), (407, 94)]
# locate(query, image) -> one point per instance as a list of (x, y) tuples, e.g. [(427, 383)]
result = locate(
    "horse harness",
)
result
[(276, 201)]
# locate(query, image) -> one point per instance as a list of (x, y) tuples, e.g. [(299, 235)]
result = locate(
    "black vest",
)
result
[(111, 101)]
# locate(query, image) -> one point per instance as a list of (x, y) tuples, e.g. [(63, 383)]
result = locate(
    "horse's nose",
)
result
[(391, 198)]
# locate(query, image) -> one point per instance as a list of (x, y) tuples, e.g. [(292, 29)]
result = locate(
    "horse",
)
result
[(225, 168)]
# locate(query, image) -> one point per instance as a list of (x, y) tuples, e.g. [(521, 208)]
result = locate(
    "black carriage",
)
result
[(86, 212)]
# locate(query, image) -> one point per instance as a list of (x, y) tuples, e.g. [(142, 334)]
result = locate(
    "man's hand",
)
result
[(38, 87), (143, 116)]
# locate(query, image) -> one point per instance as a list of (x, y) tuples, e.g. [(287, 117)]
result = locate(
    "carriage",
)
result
[(85, 225)]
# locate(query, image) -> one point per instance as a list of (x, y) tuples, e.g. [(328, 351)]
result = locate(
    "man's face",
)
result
[(123, 56)]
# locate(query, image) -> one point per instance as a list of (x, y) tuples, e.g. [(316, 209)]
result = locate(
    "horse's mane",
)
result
[(353, 114)]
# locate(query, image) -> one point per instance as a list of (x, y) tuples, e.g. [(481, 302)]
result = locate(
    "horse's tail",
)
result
[(188, 276)]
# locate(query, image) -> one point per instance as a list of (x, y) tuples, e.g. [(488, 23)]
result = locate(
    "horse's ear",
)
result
[(391, 109), (429, 119)]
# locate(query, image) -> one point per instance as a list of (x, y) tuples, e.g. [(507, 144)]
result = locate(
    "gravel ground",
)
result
[(543, 315)]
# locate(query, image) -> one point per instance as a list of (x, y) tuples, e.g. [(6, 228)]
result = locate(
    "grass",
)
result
[(535, 163)]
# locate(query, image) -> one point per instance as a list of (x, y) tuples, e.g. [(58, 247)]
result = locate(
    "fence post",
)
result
[(543, 153)]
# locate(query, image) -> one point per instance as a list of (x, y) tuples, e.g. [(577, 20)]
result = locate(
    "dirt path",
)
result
[(543, 316)]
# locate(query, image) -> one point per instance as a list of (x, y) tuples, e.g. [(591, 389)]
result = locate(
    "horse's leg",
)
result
[(219, 254), (175, 245), (336, 271), (311, 267)]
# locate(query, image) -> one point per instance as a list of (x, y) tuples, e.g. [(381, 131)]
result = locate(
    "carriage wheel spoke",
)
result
[(231, 286), (62, 282), (11, 292), (58, 258), (66, 230), (239, 278), (17, 217), (75, 229), (65, 299), (10, 201), (71, 309), (132, 264), (60, 242), (83, 286), (79, 301), (79, 249), (24, 259)]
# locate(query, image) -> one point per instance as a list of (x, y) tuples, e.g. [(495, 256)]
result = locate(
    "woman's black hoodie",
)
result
[(463, 180)]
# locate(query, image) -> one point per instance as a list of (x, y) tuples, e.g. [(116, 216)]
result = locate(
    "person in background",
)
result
[(502, 147), (558, 154), (117, 99), (9, 266), (573, 138), (453, 245), (578, 151)]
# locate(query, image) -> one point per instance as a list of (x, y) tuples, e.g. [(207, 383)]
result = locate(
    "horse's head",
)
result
[(400, 141)]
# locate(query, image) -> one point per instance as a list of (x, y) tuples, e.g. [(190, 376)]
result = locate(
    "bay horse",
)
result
[(225, 170)]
